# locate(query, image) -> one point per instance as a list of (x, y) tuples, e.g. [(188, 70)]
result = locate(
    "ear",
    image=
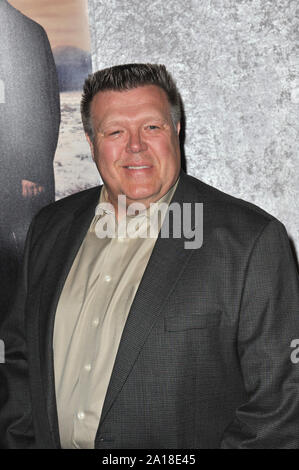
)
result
[(178, 128), (90, 144)]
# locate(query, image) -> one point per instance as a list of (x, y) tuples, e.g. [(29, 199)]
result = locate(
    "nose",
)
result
[(135, 142)]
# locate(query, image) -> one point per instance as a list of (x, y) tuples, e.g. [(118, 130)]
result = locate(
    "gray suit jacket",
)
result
[(30, 116), (204, 359)]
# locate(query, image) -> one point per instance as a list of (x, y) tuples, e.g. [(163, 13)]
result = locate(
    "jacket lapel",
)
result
[(163, 271)]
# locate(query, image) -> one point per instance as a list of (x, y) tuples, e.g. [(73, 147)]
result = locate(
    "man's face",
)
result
[(136, 147)]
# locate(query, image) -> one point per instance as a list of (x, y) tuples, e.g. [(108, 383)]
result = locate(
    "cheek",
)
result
[(166, 152), (108, 153)]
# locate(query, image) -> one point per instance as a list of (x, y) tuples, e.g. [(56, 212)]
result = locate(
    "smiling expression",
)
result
[(136, 146)]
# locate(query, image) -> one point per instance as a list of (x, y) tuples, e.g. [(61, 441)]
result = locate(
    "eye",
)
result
[(152, 127), (114, 133)]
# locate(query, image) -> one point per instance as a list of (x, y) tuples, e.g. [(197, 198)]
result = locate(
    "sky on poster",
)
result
[(64, 20)]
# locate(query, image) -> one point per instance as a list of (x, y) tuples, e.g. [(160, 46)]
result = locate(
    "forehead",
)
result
[(130, 103)]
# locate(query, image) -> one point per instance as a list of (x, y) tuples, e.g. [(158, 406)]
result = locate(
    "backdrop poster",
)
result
[(44, 60), (66, 24)]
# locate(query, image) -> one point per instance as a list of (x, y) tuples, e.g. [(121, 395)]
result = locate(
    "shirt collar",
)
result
[(105, 207)]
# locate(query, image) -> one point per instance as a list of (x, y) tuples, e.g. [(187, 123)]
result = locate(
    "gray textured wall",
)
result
[(236, 67)]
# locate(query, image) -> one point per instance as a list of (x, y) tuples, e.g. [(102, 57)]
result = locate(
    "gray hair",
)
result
[(127, 77)]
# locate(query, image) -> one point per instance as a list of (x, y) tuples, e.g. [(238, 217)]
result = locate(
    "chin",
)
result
[(141, 193)]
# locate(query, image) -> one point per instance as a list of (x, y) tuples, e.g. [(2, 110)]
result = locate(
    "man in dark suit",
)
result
[(160, 341), (29, 125)]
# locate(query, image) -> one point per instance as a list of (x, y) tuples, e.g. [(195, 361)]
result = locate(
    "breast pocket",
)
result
[(192, 321)]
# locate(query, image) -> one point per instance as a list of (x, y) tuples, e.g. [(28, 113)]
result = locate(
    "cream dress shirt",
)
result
[(91, 315)]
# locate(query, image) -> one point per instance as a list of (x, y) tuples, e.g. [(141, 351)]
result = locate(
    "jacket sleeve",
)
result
[(16, 428), (268, 323)]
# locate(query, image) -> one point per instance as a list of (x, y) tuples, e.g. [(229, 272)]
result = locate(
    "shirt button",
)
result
[(87, 367), (95, 322), (81, 415), (107, 278)]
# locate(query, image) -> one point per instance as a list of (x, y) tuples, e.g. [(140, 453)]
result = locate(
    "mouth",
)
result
[(137, 167)]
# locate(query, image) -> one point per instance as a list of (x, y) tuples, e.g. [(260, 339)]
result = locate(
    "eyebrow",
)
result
[(120, 122)]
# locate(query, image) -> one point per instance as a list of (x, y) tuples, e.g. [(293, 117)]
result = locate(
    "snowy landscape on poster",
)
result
[(73, 166)]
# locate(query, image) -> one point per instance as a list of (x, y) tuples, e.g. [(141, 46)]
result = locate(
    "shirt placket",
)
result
[(106, 284)]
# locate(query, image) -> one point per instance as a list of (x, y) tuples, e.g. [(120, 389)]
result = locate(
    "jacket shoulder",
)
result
[(243, 219), (210, 194), (69, 204)]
